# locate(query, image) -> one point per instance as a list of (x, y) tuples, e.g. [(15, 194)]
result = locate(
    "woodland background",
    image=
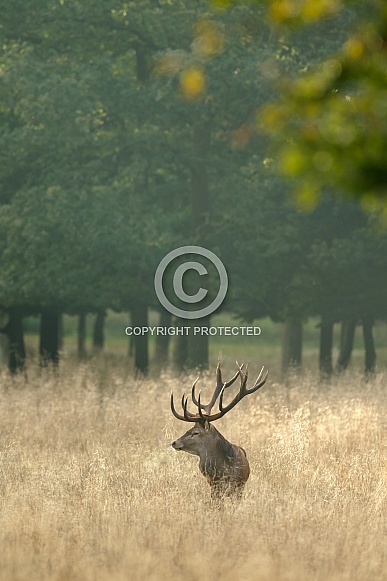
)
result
[(257, 130)]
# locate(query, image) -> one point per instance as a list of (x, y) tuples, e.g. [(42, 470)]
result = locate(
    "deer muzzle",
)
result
[(177, 445)]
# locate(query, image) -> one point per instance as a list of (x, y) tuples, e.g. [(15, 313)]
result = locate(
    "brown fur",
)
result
[(224, 465)]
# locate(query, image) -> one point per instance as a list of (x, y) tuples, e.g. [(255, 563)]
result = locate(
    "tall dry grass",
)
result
[(90, 488)]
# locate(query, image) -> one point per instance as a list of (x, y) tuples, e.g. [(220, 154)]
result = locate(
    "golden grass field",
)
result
[(91, 490)]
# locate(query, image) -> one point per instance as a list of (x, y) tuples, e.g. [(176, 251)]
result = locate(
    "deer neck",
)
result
[(216, 457)]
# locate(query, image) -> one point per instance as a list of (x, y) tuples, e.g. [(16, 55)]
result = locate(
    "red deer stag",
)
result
[(224, 465)]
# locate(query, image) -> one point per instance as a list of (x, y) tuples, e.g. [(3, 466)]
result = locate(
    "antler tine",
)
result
[(188, 416), (177, 415), (218, 374), (200, 408), (259, 381), (242, 375), (219, 386), (193, 396), (221, 400), (231, 381), (184, 404), (241, 393), (244, 391), (218, 389)]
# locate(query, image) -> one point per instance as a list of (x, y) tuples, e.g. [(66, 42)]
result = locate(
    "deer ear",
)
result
[(207, 426)]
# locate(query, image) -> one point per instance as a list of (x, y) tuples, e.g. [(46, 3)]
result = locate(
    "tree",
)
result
[(76, 216), (334, 116)]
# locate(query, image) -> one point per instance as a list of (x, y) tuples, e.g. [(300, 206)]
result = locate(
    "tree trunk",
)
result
[(16, 349), (131, 340), (98, 331), (163, 341), (180, 347), (49, 337), (4, 348), (292, 345), (61, 333), (139, 317), (326, 343), (369, 345), (81, 336), (347, 336), (198, 345)]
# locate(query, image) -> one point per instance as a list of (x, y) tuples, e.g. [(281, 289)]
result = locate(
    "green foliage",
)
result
[(330, 124), (97, 143), (109, 112), (83, 181)]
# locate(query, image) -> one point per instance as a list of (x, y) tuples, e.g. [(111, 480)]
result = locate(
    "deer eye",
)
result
[(194, 434)]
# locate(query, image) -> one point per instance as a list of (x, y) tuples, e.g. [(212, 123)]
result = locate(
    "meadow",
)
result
[(91, 489)]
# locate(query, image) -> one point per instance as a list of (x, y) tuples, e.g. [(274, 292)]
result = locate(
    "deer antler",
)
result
[(220, 385), (219, 392)]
